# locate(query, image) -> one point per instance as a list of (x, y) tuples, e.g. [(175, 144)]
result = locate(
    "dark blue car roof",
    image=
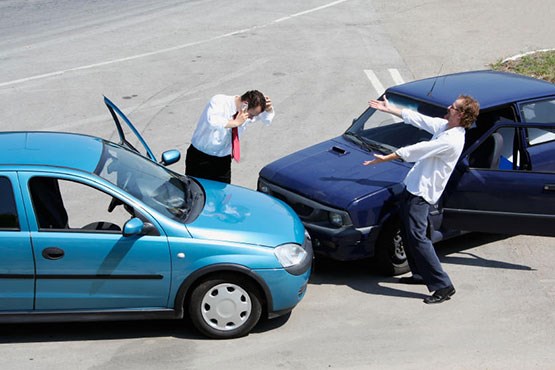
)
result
[(490, 88), (50, 149)]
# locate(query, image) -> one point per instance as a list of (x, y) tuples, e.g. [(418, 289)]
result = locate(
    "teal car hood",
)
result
[(236, 214)]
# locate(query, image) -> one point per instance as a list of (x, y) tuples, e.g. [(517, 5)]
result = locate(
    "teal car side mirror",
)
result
[(170, 157)]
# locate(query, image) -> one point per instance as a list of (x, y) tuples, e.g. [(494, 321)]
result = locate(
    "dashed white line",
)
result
[(309, 11), (166, 50)]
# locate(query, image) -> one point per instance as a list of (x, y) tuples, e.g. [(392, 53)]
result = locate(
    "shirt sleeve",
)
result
[(424, 149), (430, 124), (266, 117)]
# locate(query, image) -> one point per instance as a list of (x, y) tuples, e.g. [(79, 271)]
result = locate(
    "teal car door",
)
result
[(17, 268), (83, 261)]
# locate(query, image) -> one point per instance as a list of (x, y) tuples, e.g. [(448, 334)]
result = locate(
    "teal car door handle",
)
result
[(53, 253)]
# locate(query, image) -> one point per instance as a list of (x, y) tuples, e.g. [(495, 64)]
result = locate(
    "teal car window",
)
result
[(165, 191), (8, 210), (58, 205)]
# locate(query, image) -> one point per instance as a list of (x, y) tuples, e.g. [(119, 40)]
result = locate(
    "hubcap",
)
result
[(226, 307), (399, 250)]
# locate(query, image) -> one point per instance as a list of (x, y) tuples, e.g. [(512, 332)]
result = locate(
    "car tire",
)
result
[(225, 306), (390, 252)]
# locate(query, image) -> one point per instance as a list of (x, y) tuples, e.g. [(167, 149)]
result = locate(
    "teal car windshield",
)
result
[(384, 132), (165, 191)]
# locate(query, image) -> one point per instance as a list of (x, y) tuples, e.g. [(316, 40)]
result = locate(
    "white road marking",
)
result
[(309, 11), (396, 76), (375, 81), (166, 50)]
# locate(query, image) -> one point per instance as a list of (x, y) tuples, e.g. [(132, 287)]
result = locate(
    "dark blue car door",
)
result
[(515, 194)]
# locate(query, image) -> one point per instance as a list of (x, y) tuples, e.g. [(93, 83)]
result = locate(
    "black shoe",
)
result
[(440, 295), (411, 280)]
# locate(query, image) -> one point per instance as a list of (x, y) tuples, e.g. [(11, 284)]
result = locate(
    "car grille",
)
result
[(308, 210)]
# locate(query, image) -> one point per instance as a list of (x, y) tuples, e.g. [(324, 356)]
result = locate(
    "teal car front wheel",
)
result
[(226, 306)]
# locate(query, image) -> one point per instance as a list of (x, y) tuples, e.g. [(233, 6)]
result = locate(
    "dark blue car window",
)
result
[(8, 210), (389, 131), (539, 112)]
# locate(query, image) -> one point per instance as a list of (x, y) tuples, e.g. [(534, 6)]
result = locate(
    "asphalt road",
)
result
[(320, 61)]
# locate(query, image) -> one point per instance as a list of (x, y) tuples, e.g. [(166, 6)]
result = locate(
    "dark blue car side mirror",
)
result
[(170, 157)]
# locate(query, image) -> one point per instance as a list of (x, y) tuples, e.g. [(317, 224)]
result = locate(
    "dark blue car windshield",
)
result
[(376, 130), (167, 192)]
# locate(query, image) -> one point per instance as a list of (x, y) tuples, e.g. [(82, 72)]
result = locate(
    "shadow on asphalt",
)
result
[(361, 276), (85, 331), (357, 275), (109, 330)]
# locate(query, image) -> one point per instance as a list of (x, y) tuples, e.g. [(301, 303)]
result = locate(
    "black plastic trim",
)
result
[(88, 315), (100, 276)]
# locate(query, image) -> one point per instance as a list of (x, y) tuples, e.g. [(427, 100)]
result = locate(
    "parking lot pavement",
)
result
[(500, 318), (313, 66)]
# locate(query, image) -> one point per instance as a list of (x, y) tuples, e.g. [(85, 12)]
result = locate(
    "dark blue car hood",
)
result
[(332, 173)]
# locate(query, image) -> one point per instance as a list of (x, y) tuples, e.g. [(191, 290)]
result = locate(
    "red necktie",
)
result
[(235, 146)]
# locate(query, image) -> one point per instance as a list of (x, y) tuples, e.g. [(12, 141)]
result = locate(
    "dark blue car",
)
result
[(504, 181)]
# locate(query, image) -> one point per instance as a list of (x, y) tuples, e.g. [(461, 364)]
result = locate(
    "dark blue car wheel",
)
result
[(390, 251), (225, 306)]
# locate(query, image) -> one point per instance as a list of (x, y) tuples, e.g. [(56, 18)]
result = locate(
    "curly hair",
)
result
[(255, 99), (470, 109)]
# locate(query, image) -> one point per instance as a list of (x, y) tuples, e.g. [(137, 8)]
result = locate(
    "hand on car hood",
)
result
[(237, 214), (332, 173)]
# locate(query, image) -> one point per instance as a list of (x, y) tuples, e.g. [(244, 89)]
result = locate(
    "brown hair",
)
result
[(470, 109), (255, 99)]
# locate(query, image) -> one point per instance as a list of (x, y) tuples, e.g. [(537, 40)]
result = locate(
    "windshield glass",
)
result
[(384, 132), (173, 195)]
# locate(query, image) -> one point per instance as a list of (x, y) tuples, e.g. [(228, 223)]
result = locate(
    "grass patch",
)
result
[(538, 65)]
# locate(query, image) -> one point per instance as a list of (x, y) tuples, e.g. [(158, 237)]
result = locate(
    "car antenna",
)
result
[(435, 80)]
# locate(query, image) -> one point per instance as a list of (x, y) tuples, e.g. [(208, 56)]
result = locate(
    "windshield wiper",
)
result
[(369, 144)]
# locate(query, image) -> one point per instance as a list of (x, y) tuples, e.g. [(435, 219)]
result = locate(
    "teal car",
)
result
[(94, 230)]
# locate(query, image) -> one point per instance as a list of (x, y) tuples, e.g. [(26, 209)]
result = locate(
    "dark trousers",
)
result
[(206, 166), (421, 255)]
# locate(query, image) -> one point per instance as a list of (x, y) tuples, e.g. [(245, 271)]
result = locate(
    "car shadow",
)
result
[(102, 330), (361, 276), (109, 330)]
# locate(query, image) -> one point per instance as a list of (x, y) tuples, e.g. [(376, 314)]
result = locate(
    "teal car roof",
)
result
[(490, 88), (50, 149)]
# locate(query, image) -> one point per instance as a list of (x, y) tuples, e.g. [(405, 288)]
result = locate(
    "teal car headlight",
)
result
[(290, 254)]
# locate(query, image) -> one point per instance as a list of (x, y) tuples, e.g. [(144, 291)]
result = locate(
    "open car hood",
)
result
[(116, 112)]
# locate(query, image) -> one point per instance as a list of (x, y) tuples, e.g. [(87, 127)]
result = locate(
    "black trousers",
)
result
[(421, 255), (206, 166)]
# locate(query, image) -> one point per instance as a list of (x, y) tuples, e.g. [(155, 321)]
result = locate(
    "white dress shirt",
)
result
[(435, 159), (211, 136)]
